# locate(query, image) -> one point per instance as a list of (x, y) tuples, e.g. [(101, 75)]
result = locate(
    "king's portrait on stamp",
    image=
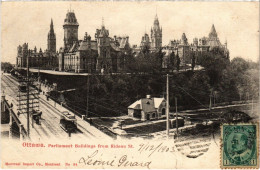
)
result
[(239, 145)]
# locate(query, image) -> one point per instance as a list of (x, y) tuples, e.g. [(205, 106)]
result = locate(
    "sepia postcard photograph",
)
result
[(129, 85)]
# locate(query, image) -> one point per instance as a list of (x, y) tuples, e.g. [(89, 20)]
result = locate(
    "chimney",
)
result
[(148, 96)]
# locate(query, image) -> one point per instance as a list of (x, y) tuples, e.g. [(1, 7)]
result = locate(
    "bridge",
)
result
[(16, 128), (15, 124)]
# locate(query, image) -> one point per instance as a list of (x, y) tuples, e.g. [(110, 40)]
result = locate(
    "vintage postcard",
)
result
[(129, 85)]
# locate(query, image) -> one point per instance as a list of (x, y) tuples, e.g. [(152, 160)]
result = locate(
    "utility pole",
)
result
[(176, 116), (167, 106), (28, 96), (214, 97), (210, 102), (88, 90), (39, 88), (252, 105), (252, 96)]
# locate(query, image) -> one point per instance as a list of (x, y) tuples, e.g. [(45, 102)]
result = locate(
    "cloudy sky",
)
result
[(236, 22)]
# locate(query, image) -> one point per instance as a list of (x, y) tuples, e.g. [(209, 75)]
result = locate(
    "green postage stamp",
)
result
[(239, 147)]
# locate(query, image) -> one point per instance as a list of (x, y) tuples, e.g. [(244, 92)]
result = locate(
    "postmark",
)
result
[(239, 146)]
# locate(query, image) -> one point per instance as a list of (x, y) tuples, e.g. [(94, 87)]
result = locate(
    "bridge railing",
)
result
[(23, 131)]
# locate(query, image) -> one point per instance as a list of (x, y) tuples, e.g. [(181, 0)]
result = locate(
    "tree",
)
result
[(178, 61), (171, 62), (160, 57), (6, 66), (193, 61), (239, 65), (146, 49)]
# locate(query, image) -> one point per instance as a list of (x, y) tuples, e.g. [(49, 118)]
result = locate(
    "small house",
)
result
[(148, 108)]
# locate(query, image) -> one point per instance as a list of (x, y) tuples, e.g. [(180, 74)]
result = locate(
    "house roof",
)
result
[(74, 47), (147, 104), (157, 102), (113, 45), (94, 45), (135, 105), (83, 46), (123, 43)]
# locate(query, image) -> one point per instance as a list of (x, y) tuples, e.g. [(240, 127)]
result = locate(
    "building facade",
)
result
[(47, 59), (102, 54), (186, 50)]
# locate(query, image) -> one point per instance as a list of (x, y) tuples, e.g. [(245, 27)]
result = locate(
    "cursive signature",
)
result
[(95, 159)]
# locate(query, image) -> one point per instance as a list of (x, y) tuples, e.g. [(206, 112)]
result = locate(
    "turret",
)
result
[(213, 33), (195, 41), (156, 34), (184, 39), (70, 27), (51, 42), (25, 49), (19, 50)]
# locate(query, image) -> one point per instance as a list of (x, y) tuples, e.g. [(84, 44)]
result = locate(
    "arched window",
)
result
[(163, 111), (148, 117)]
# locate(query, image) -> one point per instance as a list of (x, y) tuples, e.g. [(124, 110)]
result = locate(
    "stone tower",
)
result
[(51, 39), (213, 40), (156, 34), (25, 52), (213, 33), (104, 61), (70, 29)]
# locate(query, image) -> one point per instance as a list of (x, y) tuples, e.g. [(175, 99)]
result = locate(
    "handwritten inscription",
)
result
[(151, 149), (95, 159)]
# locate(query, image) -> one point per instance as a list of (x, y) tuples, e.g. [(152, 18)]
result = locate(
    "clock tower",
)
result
[(70, 27)]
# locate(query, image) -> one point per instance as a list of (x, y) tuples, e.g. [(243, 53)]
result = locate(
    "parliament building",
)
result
[(47, 59), (99, 54), (185, 50), (105, 54)]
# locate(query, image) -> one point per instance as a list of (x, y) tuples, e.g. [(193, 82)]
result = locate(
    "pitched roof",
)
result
[(122, 42), (83, 46), (74, 47), (113, 45), (93, 45), (147, 104), (135, 105), (213, 32), (158, 102)]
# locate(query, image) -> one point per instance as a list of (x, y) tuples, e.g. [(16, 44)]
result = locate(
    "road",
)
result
[(49, 127)]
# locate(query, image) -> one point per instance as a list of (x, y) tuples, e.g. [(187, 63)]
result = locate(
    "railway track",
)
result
[(48, 108), (57, 112), (46, 129)]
